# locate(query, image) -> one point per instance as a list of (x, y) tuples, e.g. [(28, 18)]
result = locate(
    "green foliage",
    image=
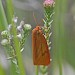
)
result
[(2, 72), (63, 48), (3, 20), (13, 47), (59, 33), (9, 11)]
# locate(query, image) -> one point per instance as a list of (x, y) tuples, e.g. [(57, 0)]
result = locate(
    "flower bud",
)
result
[(48, 3), (22, 23), (15, 19), (4, 42), (19, 28), (27, 27), (9, 27), (19, 36), (4, 33)]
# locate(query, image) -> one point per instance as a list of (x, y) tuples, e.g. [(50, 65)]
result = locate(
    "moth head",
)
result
[(38, 28)]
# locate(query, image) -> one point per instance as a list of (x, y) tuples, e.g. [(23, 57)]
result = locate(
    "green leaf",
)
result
[(59, 33), (9, 11), (17, 49), (3, 20), (2, 72)]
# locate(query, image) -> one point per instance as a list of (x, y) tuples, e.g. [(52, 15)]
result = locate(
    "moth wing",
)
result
[(45, 49), (35, 45), (41, 54)]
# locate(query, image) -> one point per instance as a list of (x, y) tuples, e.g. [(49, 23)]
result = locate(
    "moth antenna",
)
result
[(35, 19), (41, 21)]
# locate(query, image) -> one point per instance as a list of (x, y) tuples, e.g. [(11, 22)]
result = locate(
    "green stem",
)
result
[(9, 11), (47, 13), (18, 53), (59, 31), (2, 72), (36, 70), (13, 68), (60, 69)]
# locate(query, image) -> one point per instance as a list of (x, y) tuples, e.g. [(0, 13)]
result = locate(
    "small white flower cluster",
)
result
[(4, 35), (27, 26), (8, 39), (22, 30), (23, 26), (4, 42)]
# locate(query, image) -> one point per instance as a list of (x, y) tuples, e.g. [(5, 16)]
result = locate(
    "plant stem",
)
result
[(59, 31), (48, 11), (9, 11), (36, 70), (2, 72), (18, 53), (60, 69)]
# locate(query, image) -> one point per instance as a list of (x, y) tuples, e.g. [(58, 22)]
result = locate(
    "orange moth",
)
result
[(40, 49)]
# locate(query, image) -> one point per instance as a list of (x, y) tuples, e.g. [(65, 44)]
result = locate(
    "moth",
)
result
[(41, 55)]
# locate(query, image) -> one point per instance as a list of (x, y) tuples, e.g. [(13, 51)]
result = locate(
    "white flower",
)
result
[(19, 28), (22, 23), (15, 19), (27, 26), (4, 33), (19, 36), (9, 27), (4, 42)]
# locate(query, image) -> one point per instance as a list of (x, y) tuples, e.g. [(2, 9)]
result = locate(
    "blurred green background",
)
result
[(24, 11)]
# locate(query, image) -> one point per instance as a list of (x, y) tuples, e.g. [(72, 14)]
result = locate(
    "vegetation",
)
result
[(14, 35)]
